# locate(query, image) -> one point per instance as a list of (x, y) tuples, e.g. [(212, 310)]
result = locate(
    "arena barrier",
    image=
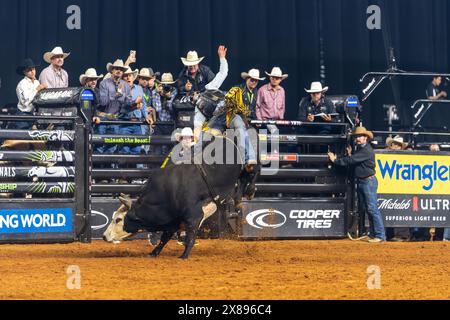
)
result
[(45, 172)]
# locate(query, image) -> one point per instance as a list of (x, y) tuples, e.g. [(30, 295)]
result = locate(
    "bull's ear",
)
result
[(126, 202)]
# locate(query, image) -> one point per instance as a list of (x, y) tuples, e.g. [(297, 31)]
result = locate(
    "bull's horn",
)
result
[(126, 202)]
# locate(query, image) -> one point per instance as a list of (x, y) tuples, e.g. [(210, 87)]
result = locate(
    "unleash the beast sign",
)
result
[(414, 188)]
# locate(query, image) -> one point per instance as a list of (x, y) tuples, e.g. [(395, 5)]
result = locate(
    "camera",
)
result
[(167, 88)]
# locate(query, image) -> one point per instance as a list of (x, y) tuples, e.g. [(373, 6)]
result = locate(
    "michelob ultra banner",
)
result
[(413, 174)]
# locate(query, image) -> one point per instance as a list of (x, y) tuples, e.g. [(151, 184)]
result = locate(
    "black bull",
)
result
[(178, 195)]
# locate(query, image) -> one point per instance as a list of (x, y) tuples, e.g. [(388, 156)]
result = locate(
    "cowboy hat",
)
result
[(167, 78), (191, 59), (316, 87), (361, 131), (90, 73), (57, 51), (26, 64), (397, 140), (253, 73), (276, 72), (186, 132), (129, 71), (118, 64), (146, 73)]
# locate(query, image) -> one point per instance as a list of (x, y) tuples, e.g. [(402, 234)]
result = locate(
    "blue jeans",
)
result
[(107, 129), (367, 195), (130, 130), (244, 143), (447, 234), (22, 125)]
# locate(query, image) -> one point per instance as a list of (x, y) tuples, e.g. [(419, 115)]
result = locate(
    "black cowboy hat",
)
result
[(26, 64)]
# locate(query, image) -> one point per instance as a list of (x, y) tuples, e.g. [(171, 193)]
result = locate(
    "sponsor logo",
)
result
[(304, 219), (266, 218), (7, 172), (413, 174), (391, 204), (415, 204), (369, 86), (36, 220), (314, 219), (101, 217), (8, 186)]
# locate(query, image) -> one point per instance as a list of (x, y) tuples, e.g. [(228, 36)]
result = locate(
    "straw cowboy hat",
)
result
[(90, 73), (186, 132), (129, 71), (276, 72), (316, 87), (146, 73), (253, 73), (361, 131), (26, 64), (167, 78), (117, 64), (397, 140), (191, 59), (57, 51)]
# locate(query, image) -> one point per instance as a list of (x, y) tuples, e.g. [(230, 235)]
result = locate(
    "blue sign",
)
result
[(36, 220), (352, 102), (87, 95)]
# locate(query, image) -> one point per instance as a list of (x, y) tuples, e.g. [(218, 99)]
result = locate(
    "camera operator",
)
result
[(162, 100)]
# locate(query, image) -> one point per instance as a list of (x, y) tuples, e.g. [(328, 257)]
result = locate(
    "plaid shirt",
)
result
[(163, 106)]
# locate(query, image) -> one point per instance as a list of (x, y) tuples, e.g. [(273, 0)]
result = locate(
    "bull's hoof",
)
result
[(153, 254), (183, 257)]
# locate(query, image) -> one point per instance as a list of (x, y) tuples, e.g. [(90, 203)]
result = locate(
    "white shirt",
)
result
[(220, 76), (26, 91)]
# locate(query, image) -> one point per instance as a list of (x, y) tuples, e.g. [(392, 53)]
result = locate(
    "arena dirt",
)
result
[(219, 269)]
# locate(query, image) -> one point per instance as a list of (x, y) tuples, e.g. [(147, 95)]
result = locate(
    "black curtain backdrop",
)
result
[(311, 40)]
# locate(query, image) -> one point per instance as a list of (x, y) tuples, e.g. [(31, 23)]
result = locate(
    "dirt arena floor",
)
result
[(228, 269)]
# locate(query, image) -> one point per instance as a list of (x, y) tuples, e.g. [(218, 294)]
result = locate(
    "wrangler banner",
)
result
[(414, 188)]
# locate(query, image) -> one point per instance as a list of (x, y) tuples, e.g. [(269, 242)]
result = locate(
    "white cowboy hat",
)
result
[(186, 132), (146, 73), (90, 73), (117, 64), (57, 51), (167, 78), (316, 87), (276, 72), (253, 73), (191, 59), (133, 72), (397, 139)]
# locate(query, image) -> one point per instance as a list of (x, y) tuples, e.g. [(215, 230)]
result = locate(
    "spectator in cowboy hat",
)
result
[(316, 108), (26, 90), (250, 89), (397, 234), (147, 79), (194, 77), (363, 164), (114, 101), (162, 100), (89, 78), (138, 115), (54, 76), (270, 104), (396, 143)]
